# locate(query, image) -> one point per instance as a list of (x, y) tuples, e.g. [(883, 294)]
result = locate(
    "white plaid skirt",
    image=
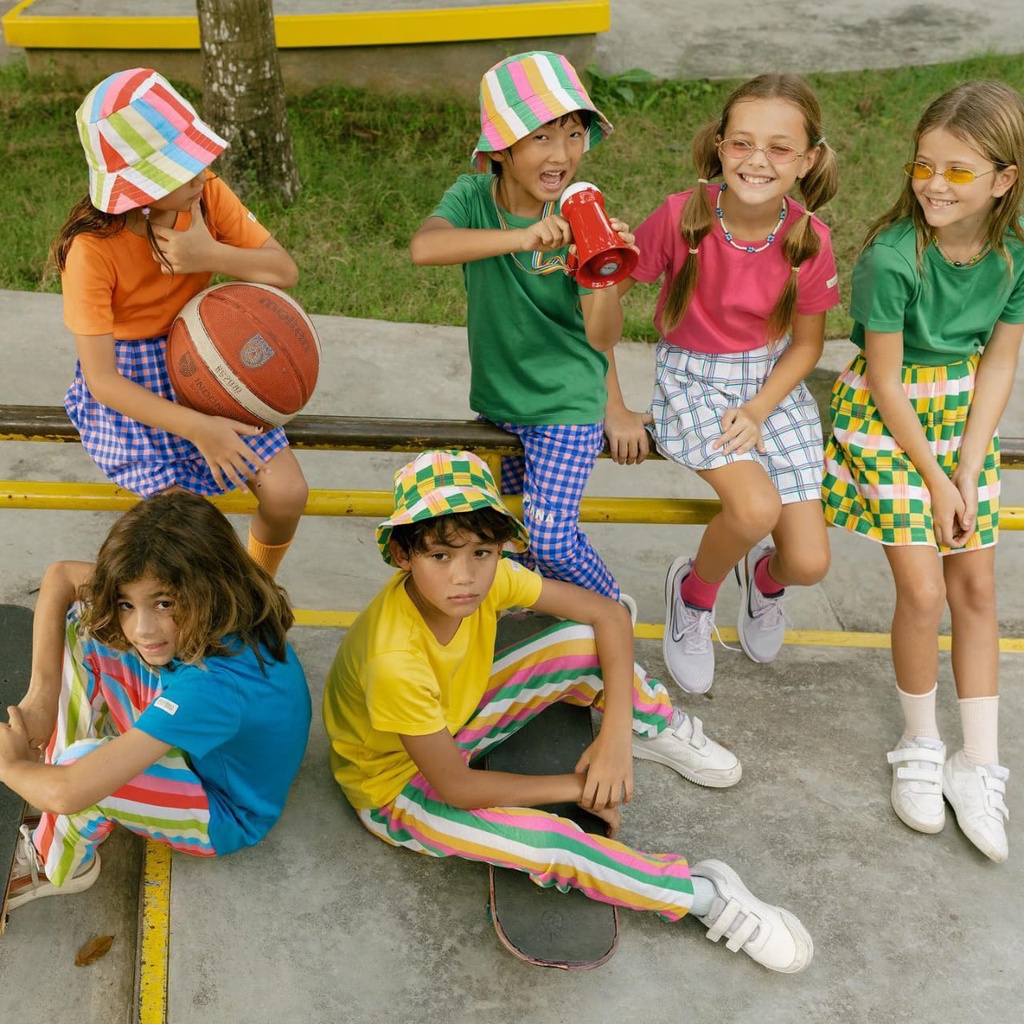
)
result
[(693, 390), (139, 458)]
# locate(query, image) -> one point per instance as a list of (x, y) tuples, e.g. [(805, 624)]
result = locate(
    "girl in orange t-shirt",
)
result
[(153, 230)]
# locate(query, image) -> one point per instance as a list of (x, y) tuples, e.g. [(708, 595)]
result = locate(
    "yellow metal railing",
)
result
[(342, 433)]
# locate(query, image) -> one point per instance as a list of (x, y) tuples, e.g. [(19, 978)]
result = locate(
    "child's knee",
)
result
[(806, 567), (755, 516), (925, 597), (283, 492)]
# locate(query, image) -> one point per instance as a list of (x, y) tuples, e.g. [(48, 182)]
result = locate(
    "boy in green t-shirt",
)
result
[(539, 344), (415, 699)]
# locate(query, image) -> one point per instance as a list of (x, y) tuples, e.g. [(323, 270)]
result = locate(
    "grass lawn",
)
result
[(374, 167)]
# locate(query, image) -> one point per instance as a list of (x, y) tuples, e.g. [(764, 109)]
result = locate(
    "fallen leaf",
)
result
[(93, 950)]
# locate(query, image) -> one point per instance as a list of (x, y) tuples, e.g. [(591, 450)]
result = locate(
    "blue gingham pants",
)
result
[(551, 477)]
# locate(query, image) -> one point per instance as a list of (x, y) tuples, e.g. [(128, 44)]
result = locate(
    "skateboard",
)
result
[(15, 667), (545, 926)]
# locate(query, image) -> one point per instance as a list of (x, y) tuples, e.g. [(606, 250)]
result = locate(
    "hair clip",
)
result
[(796, 270), (693, 252), (702, 181)]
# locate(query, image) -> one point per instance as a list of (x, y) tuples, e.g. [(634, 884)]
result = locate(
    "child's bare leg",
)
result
[(973, 781), (281, 491), (920, 601), (917, 762), (750, 510), (802, 556), (971, 592)]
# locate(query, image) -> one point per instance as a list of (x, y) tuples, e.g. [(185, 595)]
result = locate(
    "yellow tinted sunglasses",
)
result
[(954, 175)]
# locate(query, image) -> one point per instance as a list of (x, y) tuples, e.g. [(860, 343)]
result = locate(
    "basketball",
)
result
[(245, 351)]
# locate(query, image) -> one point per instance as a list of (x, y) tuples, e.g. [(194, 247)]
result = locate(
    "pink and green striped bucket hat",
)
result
[(142, 140), (526, 91)]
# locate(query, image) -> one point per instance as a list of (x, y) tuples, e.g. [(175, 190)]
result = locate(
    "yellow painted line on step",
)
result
[(24, 28), (154, 933), (655, 631)]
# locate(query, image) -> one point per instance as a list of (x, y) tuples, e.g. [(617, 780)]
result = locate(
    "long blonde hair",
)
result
[(817, 187), (988, 117)]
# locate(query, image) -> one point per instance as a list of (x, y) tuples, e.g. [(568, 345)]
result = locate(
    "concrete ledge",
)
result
[(397, 46)]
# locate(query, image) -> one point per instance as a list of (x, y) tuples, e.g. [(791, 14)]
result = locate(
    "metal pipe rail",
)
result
[(344, 433)]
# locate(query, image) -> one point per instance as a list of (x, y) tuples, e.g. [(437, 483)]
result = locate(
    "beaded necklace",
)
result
[(728, 235), (979, 255), (539, 264)]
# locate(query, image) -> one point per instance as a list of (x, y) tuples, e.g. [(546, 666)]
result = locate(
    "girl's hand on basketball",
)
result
[(189, 251), (230, 459), (741, 431), (546, 235), (948, 512)]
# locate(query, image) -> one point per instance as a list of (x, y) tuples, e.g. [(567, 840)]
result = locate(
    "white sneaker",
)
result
[(917, 782), (686, 750), (762, 620), (977, 794), (687, 648), (630, 605), (773, 937), (29, 883)]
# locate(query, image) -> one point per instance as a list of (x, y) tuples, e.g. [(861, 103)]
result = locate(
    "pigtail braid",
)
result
[(801, 243), (697, 220)]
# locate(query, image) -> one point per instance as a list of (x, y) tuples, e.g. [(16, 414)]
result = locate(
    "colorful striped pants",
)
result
[(559, 664), (551, 476), (103, 692)]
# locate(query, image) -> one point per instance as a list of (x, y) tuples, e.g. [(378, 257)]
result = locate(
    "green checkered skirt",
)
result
[(871, 487)]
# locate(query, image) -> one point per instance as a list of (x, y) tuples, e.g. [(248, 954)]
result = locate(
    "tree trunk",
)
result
[(243, 95)]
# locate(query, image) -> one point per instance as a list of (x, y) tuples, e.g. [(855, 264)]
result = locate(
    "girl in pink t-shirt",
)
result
[(747, 277)]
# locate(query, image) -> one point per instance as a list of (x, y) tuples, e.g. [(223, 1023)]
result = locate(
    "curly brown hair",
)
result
[(221, 595)]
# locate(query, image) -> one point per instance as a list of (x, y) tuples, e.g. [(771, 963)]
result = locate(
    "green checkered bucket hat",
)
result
[(439, 483)]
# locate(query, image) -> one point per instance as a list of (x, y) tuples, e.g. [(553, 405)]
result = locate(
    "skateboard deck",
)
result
[(15, 667), (545, 926)]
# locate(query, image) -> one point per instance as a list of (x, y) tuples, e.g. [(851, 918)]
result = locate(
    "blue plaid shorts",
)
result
[(141, 459), (551, 476)]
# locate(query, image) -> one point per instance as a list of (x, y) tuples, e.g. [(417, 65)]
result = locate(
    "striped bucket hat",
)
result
[(142, 140), (438, 483), (526, 91)]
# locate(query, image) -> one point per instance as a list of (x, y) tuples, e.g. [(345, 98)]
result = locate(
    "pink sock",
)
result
[(698, 593), (764, 581)]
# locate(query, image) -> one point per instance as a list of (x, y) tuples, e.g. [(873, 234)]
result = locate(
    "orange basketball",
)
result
[(245, 351)]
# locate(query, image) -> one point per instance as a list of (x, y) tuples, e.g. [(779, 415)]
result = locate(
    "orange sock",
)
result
[(267, 556)]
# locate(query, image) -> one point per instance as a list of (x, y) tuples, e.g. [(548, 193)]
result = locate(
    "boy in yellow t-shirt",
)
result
[(415, 699)]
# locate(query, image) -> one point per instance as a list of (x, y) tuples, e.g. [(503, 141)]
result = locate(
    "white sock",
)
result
[(979, 718), (704, 894), (919, 713)]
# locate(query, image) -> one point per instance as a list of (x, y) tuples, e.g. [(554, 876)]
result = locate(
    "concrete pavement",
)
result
[(322, 923)]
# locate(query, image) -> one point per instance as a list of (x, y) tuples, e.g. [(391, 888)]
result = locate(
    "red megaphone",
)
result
[(602, 259)]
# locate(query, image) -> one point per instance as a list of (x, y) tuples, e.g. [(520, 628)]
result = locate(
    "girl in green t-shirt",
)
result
[(938, 301)]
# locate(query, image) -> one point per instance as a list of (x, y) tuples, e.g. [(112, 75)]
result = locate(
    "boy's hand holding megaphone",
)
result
[(602, 253)]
